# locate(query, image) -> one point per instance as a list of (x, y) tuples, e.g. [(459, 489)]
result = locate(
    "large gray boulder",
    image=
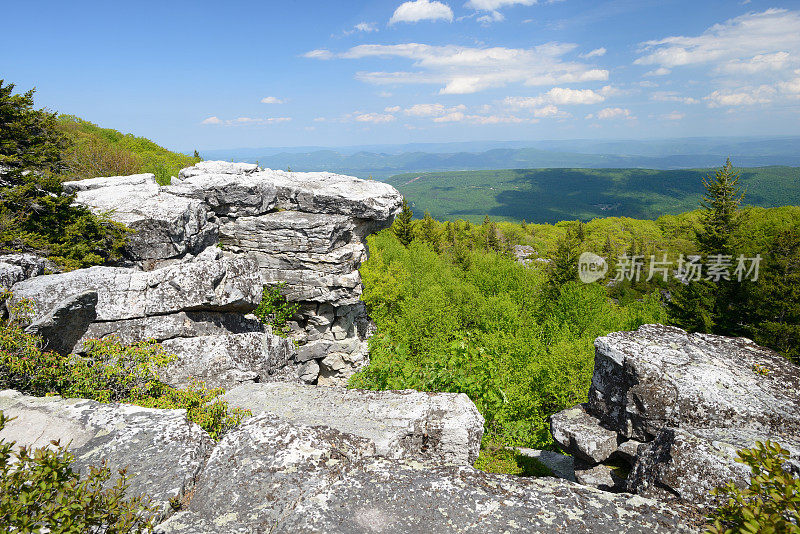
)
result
[(165, 225), (662, 376), (441, 427), (18, 267), (226, 360), (680, 405), (163, 452), (66, 323), (229, 285), (688, 464), (276, 476)]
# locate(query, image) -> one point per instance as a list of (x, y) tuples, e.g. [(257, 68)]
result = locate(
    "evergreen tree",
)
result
[(403, 227), (714, 306), (564, 265), (581, 235), (197, 155), (721, 216)]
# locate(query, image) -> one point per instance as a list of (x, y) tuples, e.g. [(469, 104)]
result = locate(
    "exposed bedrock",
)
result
[(163, 452), (444, 427), (306, 230), (676, 406)]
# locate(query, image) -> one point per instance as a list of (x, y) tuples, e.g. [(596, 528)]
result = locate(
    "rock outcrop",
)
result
[(306, 230), (66, 322), (162, 451), (444, 427), (277, 476), (678, 406)]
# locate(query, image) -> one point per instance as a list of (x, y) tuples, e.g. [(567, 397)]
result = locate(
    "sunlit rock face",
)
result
[(306, 230)]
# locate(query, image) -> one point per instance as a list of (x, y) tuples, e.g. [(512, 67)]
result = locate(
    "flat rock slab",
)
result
[(661, 376), (163, 452), (441, 427), (271, 475), (581, 434), (228, 285)]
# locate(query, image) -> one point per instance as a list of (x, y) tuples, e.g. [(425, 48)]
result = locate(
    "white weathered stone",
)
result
[(445, 427), (582, 435), (163, 452)]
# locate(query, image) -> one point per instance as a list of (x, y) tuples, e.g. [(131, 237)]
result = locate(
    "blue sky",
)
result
[(256, 74)]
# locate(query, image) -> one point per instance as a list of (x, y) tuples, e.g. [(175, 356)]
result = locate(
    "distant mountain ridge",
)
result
[(382, 161)]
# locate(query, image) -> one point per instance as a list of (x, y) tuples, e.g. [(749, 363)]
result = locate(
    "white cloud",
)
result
[(367, 27), (463, 70), (673, 116), (458, 116), (271, 100), (391, 109), (493, 16), (611, 113), (385, 94), (319, 53), (320, 119), (746, 96), (455, 116), (246, 121), (376, 118), (749, 43), (425, 110), (493, 5), (660, 71), (562, 96), (421, 10), (672, 96), (597, 52)]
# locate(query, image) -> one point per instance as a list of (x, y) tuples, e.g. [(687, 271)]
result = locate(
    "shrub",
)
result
[(274, 310), (109, 372), (40, 492), (771, 502)]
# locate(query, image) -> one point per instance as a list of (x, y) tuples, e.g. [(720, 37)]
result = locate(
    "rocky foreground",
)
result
[(666, 410)]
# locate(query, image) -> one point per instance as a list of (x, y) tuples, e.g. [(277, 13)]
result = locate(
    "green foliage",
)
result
[(769, 504), (721, 216), (497, 459), (97, 151), (109, 372), (274, 310), (473, 321), (35, 215), (41, 492), (402, 226)]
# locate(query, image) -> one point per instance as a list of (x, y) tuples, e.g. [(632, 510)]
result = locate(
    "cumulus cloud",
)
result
[(421, 10), (597, 52), (493, 5), (672, 96), (562, 96), (246, 121), (375, 118), (391, 109), (611, 113), (367, 27), (271, 100), (464, 70), (494, 16), (660, 71), (750, 43), (746, 96), (673, 116), (425, 110), (319, 53)]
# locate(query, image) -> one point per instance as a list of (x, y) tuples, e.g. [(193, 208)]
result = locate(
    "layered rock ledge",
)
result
[(306, 230), (677, 406)]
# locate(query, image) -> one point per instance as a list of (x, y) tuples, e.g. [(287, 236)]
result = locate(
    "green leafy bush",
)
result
[(41, 492), (274, 310), (109, 372), (771, 502)]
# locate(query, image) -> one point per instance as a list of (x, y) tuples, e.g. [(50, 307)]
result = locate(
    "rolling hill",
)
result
[(551, 195)]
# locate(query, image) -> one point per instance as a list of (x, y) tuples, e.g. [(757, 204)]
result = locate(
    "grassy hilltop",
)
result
[(552, 195)]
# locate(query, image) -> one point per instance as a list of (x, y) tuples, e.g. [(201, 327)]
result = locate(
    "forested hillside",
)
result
[(552, 195), (457, 312)]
